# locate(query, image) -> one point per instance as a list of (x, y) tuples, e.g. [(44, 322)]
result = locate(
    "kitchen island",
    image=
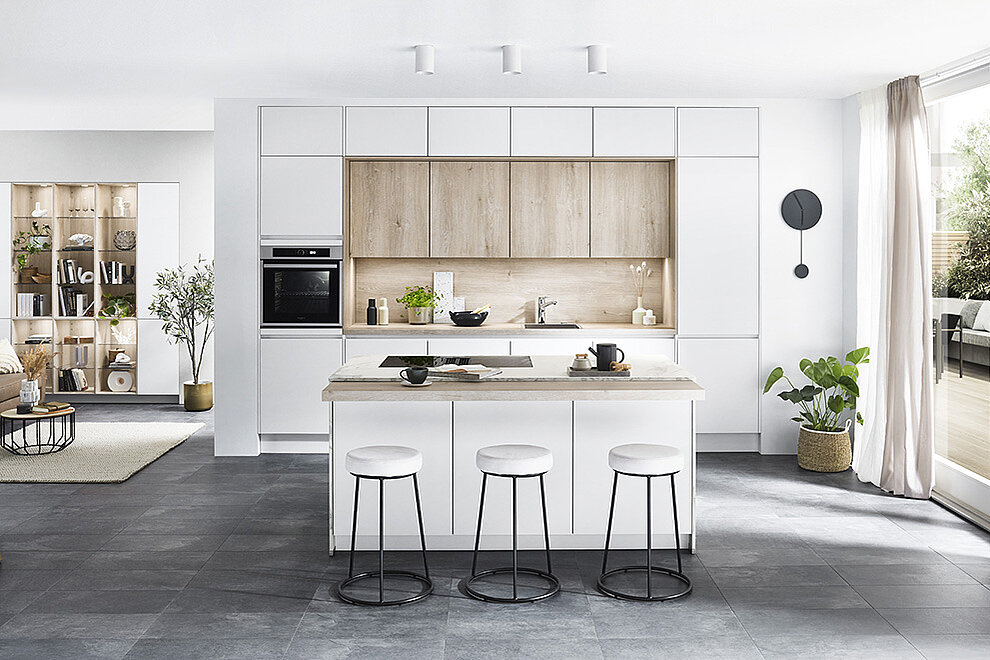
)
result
[(578, 419)]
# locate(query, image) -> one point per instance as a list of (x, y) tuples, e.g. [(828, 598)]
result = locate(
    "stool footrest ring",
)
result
[(622, 595), (552, 589), (426, 582)]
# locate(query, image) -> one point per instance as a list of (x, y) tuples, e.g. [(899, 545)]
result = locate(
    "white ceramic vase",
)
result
[(639, 312)]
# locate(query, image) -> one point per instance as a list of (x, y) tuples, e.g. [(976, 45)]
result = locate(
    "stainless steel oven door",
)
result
[(300, 293)]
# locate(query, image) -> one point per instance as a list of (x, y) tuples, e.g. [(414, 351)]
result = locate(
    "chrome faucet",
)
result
[(541, 308)]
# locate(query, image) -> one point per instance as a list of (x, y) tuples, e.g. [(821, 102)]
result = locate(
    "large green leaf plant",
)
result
[(833, 390), (184, 305)]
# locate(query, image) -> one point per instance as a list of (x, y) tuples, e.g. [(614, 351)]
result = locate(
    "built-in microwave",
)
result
[(300, 286)]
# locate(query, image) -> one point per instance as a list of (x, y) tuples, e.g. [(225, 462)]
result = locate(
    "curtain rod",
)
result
[(956, 69)]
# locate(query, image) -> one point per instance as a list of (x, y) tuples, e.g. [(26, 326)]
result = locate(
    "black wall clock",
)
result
[(801, 209)]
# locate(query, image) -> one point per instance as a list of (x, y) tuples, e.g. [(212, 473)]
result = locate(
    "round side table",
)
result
[(52, 432)]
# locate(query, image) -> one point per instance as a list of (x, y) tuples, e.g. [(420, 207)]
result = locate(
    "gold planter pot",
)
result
[(197, 396), (824, 451)]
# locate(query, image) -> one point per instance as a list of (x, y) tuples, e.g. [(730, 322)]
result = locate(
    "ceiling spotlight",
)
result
[(512, 60), (425, 59), (597, 60)]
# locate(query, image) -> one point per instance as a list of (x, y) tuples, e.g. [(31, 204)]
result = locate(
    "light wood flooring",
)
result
[(962, 416)]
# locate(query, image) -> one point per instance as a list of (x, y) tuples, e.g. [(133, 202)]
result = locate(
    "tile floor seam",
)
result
[(731, 609)]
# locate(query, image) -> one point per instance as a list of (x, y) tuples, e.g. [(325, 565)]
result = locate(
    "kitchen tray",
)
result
[(594, 373)]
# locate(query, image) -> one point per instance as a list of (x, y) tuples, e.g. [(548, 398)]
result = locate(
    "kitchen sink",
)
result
[(552, 326)]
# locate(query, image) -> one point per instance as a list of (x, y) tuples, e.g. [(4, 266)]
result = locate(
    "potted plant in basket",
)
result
[(823, 441), (184, 305), (420, 301), (28, 243)]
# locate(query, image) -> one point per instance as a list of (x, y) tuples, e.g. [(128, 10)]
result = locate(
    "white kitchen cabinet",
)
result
[(301, 196), (158, 360), (302, 131), (468, 346), (385, 131), (718, 132), (551, 131), (355, 346), (294, 371), (469, 131), (718, 256), (479, 424), (157, 238), (421, 425), (647, 132), (601, 425), (729, 370)]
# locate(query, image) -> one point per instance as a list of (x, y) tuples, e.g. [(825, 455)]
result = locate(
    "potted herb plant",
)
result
[(420, 301), (184, 305), (823, 440), (29, 243)]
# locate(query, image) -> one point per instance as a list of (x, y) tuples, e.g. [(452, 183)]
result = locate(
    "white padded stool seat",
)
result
[(645, 459), (383, 461), (514, 460)]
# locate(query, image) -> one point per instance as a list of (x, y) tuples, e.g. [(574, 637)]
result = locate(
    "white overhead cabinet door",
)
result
[(630, 132), (157, 360), (301, 196), (302, 131), (551, 131), (157, 238), (729, 370), (718, 261), (385, 131), (469, 131), (294, 372), (718, 132)]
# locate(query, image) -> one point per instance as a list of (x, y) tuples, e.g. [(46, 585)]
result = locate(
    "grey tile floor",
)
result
[(200, 557)]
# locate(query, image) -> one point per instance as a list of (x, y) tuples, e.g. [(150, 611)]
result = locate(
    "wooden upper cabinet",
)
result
[(389, 209), (549, 209), (469, 209), (630, 209)]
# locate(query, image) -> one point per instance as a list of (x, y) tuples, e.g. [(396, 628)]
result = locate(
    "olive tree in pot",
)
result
[(823, 441), (184, 305)]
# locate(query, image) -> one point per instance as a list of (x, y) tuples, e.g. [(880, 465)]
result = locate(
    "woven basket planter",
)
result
[(824, 451)]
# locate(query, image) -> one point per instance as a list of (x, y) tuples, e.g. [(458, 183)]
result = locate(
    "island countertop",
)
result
[(653, 377)]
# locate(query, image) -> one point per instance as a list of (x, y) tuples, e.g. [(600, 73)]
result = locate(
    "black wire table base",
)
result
[(625, 595), (553, 585), (425, 582), (51, 434)]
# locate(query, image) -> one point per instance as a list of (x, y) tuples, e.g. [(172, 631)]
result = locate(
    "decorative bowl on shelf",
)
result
[(125, 239), (42, 279), (468, 319)]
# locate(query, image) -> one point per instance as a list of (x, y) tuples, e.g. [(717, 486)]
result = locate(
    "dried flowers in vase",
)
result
[(639, 274)]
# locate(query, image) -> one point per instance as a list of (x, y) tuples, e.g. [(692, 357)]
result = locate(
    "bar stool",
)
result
[(513, 462), (647, 461), (384, 463)]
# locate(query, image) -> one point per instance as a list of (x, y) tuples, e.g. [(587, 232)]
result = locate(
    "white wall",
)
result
[(142, 156), (801, 146)]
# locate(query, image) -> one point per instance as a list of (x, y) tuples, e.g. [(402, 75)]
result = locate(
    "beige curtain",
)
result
[(908, 450)]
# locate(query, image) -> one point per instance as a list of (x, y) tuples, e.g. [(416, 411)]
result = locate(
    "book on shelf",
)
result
[(32, 304), (72, 380), (68, 271), (40, 338), (68, 300)]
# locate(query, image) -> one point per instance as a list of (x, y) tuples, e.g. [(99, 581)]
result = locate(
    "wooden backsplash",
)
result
[(587, 290)]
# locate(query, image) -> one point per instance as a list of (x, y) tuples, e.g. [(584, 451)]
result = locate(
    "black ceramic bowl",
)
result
[(468, 319)]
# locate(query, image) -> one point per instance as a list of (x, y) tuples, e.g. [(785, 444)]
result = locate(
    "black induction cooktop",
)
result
[(495, 361)]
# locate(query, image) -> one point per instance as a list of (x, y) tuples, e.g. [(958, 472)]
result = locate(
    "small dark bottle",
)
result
[(372, 312)]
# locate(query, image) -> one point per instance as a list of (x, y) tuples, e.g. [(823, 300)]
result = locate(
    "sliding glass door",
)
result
[(959, 126)]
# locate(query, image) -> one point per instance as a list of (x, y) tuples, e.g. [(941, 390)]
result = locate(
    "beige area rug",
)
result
[(101, 453)]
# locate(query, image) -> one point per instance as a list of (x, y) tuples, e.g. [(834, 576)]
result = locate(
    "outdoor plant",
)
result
[(969, 274), (26, 243), (832, 391), (118, 307), (419, 296), (184, 305)]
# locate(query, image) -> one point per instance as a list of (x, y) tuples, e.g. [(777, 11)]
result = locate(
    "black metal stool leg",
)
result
[(649, 538), (381, 540), (477, 534), (357, 492), (546, 523), (608, 530), (515, 544), (422, 531), (677, 531)]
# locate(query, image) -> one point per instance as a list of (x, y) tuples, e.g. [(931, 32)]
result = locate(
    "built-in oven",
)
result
[(300, 286)]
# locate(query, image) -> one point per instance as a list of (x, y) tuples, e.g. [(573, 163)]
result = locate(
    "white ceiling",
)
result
[(159, 64)]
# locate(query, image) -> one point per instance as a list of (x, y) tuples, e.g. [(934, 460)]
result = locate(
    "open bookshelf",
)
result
[(69, 263)]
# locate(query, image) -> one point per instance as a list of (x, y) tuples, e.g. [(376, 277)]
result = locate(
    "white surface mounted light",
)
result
[(597, 60), (512, 60), (425, 59)]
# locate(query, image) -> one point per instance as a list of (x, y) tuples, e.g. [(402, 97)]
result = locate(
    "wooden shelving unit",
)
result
[(80, 339)]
